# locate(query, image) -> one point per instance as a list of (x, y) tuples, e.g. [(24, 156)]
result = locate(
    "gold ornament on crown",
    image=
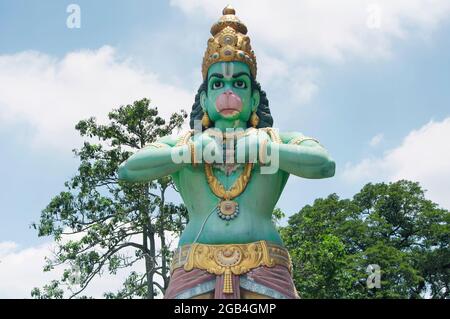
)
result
[(229, 42)]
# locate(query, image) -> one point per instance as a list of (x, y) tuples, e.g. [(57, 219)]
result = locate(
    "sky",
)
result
[(369, 79)]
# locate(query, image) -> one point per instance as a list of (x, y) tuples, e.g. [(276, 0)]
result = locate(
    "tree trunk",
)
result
[(148, 265), (148, 236), (152, 259), (164, 268)]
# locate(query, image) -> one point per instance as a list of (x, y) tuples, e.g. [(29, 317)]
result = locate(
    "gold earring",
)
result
[(254, 119), (206, 122)]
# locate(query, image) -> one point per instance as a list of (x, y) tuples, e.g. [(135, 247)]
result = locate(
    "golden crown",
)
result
[(229, 42)]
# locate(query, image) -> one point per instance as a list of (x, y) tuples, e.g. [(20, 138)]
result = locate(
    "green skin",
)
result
[(256, 203)]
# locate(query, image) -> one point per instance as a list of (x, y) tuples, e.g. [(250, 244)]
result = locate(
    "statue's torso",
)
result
[(256, 205)]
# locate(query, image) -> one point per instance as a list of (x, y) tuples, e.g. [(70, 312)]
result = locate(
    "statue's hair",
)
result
[(263, 111)]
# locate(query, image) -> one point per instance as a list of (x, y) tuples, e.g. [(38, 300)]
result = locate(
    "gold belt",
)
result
[(230, 259)]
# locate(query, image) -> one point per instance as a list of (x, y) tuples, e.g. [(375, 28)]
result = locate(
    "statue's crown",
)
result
[(229, 42)]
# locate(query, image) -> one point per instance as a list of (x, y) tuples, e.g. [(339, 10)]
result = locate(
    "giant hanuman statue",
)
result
[(230, 170)]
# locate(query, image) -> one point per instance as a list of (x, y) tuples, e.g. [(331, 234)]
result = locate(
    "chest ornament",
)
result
[(227, 209)]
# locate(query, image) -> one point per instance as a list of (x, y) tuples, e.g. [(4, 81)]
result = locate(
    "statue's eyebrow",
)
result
[(217, 75), (236, 75)]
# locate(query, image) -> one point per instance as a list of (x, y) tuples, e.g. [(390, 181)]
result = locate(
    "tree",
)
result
[(333, 241), (102, 224)]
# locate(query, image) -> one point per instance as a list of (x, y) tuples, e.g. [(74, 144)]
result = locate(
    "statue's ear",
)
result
[(203, 100), (255, 100)]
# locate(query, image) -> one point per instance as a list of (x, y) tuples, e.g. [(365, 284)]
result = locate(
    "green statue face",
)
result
[(230, 99)]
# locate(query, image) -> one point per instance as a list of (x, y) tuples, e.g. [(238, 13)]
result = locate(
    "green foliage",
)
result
[(392, 225), (102, 224), (50, 291), (277, 216)]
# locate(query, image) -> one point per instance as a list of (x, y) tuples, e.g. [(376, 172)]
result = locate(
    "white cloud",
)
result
[(423, 156), (6, 247), (304, 86), (376, 140), (51, 94), (300, 81), (292, 32), (326, 29), (21, 269)]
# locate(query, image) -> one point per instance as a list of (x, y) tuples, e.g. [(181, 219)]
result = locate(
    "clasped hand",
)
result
[(243, 149)]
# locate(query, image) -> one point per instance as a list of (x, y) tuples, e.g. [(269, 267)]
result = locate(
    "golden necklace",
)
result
[(227, 208)]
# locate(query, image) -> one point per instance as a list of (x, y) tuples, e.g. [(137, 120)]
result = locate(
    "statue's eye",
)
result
[(240, 84), (217, 85)]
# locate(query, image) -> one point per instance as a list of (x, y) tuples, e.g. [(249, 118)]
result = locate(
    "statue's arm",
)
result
[(304, 157), (153, 161)]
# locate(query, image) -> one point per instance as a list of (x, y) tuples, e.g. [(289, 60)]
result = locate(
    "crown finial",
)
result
[(228, 10), (229, 42)]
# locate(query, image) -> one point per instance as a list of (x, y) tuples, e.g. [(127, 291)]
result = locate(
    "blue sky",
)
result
[(377, 97)]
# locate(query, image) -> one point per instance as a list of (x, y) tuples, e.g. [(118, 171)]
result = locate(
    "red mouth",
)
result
[(228, 103), (229, 111)]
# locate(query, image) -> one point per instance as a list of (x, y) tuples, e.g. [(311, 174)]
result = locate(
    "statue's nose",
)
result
[(228, 92)]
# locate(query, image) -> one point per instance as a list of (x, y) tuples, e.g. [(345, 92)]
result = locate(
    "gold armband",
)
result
[(300, 139), (192, 150), (274, 136), (263, 152), (184, 139)]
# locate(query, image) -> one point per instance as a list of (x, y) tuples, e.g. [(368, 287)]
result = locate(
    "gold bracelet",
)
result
[(156, 145), (300, 139)]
